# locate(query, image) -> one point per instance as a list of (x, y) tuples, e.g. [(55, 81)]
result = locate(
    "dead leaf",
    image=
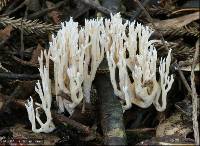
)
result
[(5, 33), (188, 68), (177, 22), (55, 14), (36, 54)]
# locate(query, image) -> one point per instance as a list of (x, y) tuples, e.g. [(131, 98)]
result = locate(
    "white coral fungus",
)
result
[(134, 54), (77, 53), (44, 92)]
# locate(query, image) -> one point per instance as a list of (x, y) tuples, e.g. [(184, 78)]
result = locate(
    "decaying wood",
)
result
[(111, 112)]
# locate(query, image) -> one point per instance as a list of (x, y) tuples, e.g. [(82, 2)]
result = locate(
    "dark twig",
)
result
[(183, 78), (98, 7), (73, 123), (141, 130), (13, 76), (11, 6), (43, 11), (16, 9), (139, 10), (22, 33), (22, 40)]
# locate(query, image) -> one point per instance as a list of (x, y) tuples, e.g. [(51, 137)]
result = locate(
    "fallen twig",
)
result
[(139, 10), (141, 130), (100, 8), (73, 123), (13, 76), (43, 11), (24, 3), (194, 96), (183, 78)]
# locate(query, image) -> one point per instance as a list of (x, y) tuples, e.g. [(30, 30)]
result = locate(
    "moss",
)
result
[(117, 132)]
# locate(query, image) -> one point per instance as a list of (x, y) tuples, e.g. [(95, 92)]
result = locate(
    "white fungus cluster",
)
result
[(134, 55), (77, 53), (44, 91)]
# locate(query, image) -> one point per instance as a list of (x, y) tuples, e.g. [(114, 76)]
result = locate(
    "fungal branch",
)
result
[(166, 82), (116, 37), (43, 88), (93, 37), (68, 66)]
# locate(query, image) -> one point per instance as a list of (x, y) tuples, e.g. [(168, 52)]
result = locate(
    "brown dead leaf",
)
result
[(55, 14), (184, 10), (177, 22), (5, 33), (36, 54)]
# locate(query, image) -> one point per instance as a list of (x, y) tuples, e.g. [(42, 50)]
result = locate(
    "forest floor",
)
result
[(26, 28)]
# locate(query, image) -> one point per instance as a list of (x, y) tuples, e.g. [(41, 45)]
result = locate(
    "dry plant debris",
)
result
[(110, 117)]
